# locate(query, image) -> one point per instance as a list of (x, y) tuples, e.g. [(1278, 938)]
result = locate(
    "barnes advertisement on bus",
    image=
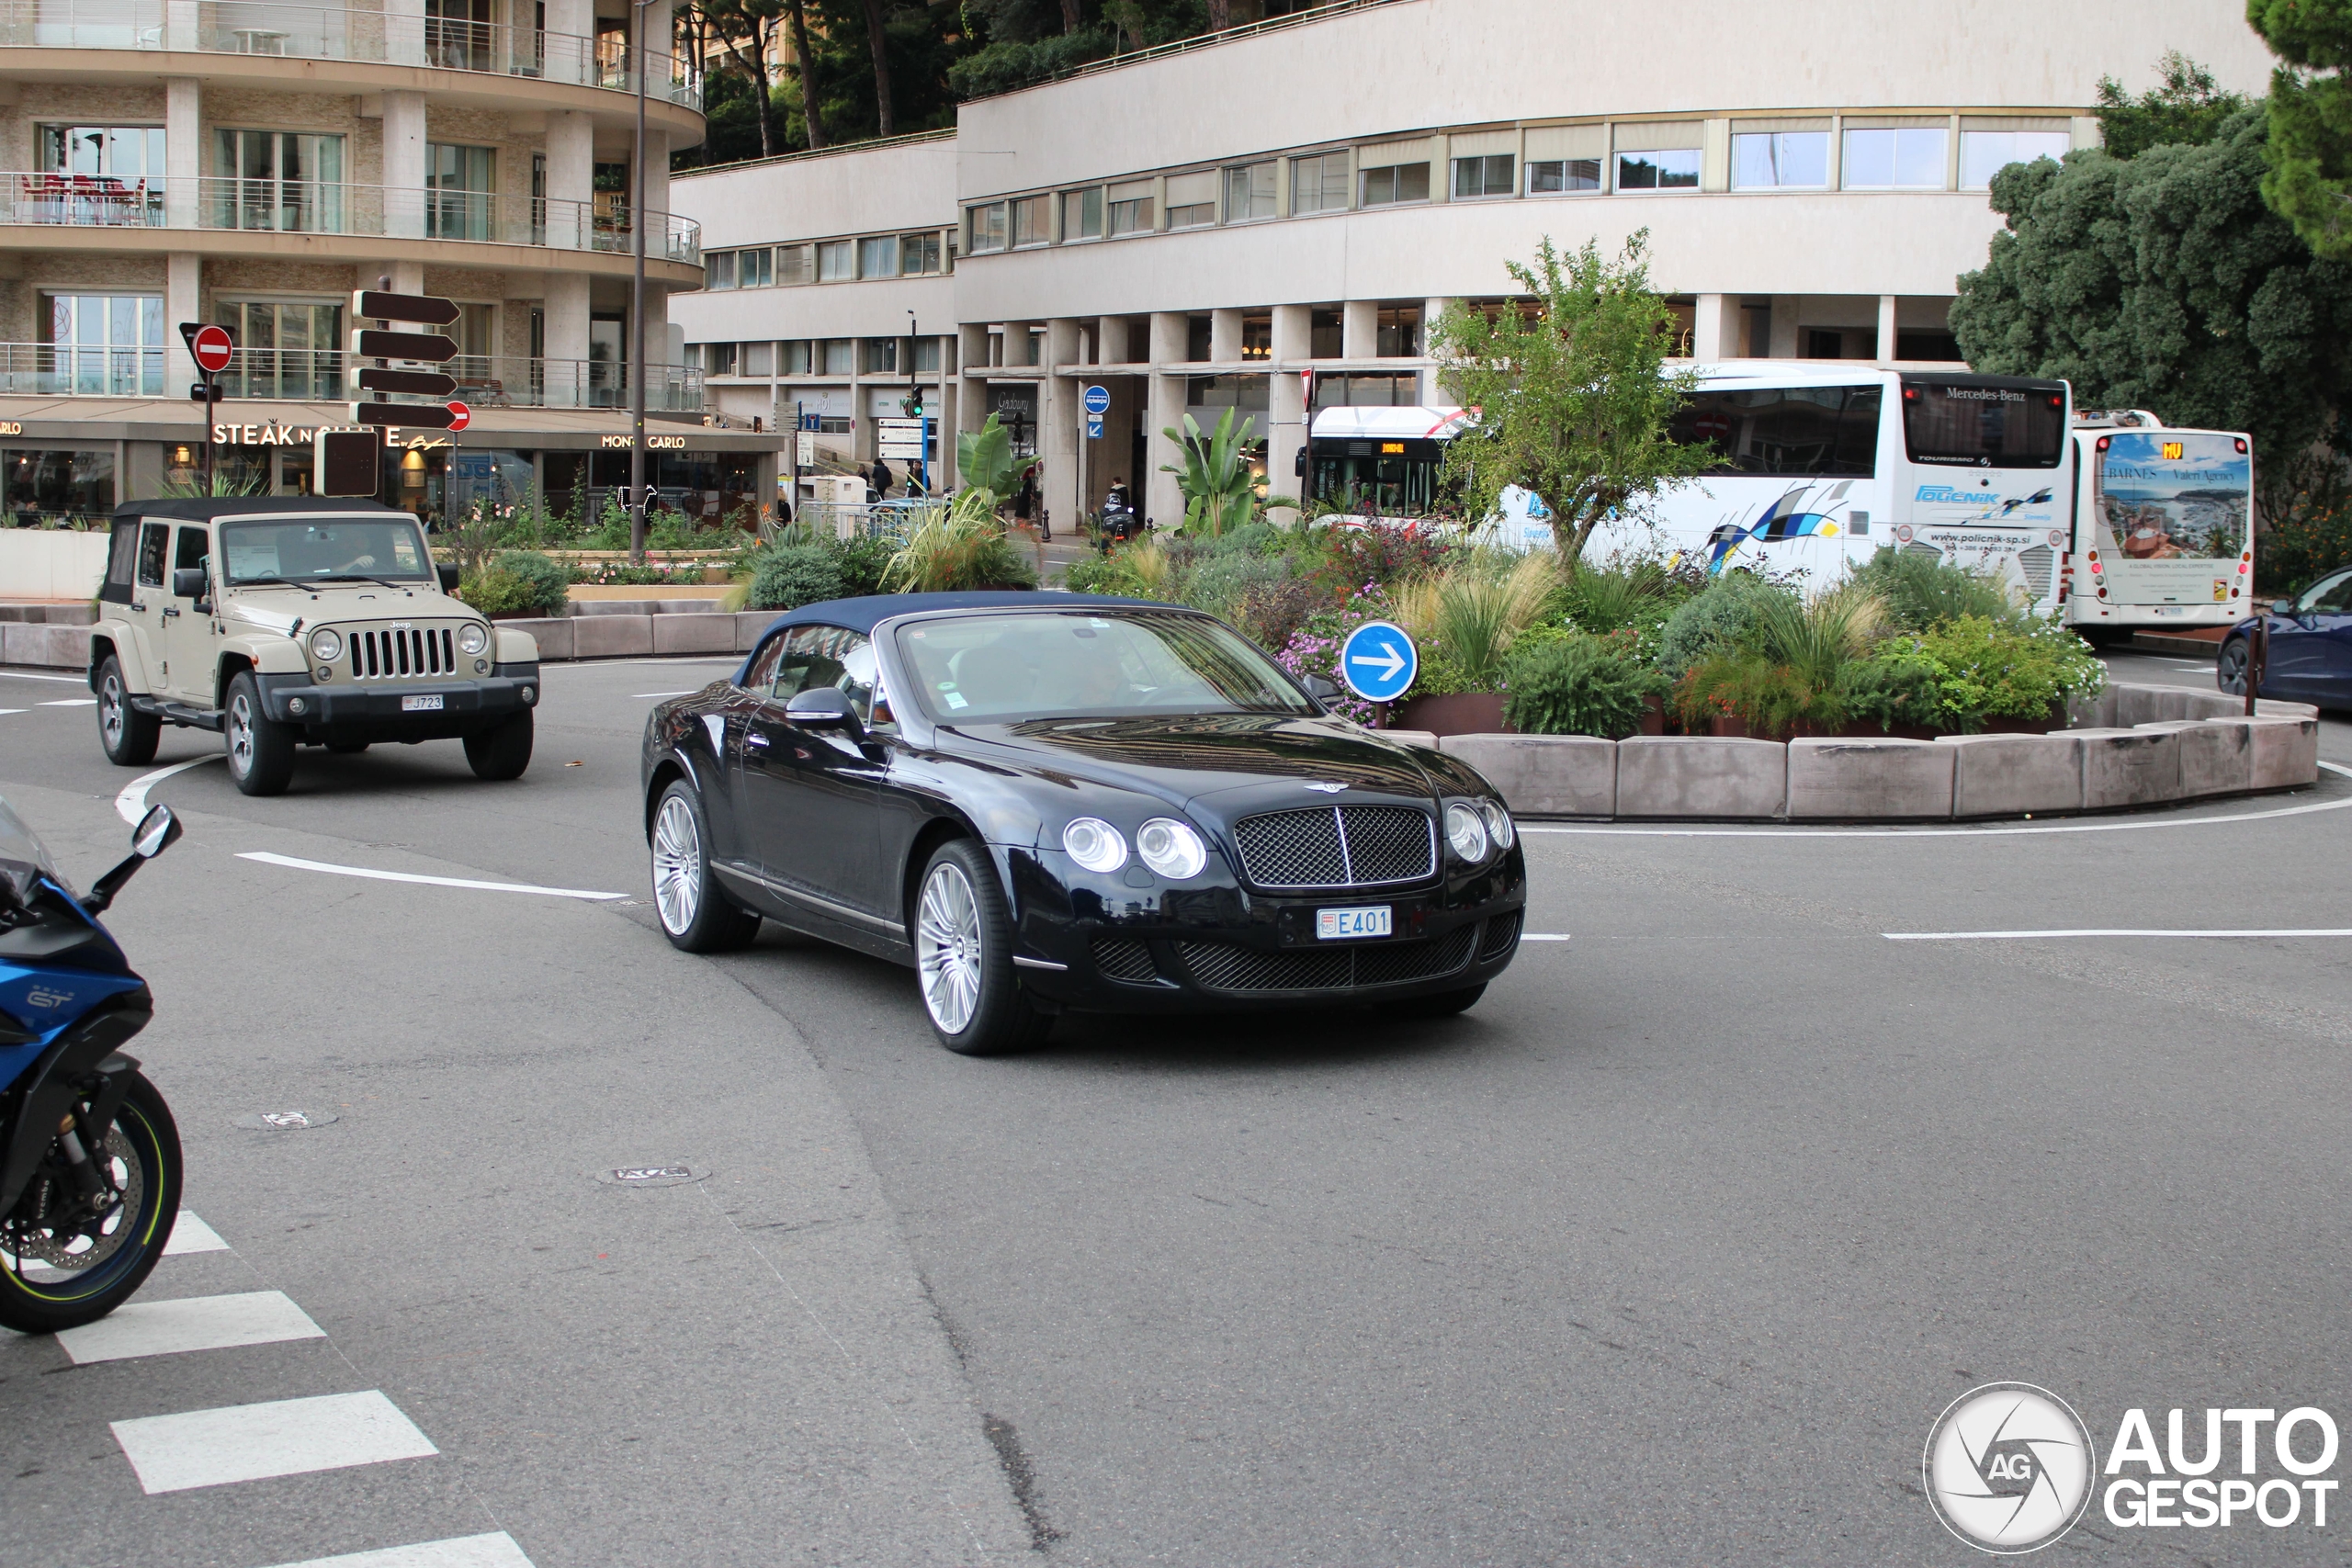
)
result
[(2167, 514)]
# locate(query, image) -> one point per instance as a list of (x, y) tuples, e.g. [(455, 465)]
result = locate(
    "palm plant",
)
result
[(986, 460), (1220, 492), (961, 546)]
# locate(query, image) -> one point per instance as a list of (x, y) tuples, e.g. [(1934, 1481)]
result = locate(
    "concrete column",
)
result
[(404, 164), (1360, 330), (1171, 337), (404, 32), (182, 28), (1286, 422), (972, 384), (1062, 346), (183, 151), (657, 190), (1163, 503), (661, 41), (1224, 336), (1715, 328), (568, 52), (944, 475), (1110, 341), (1885, 328), (1784, 325), (565, 320), (183, 301), (572, 177), (1058, 415)]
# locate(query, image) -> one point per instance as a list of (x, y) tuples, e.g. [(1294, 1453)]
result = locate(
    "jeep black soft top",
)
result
[(208, 508)]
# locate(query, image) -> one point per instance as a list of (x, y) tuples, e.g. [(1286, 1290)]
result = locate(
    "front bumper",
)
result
[(377, 711)]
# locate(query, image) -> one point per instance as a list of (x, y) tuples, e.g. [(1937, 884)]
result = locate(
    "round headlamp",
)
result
[(1467, 831), (472, 638), (1095, 844), (1171, 848), (1499, 823), (326, 645)]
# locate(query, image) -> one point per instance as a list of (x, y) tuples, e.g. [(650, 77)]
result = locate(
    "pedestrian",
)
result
[(882, 479), (1024, 500)]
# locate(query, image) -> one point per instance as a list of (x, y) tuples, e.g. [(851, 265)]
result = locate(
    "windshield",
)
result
[(2174, 494), (1089, 663), (317, 548), (1985, 423), (23, 857)]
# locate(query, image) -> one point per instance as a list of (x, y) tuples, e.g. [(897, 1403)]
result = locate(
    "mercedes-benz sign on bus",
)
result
[(2160, 524)]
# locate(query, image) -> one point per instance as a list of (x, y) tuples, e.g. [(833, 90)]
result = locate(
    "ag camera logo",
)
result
[(2008, 1468)]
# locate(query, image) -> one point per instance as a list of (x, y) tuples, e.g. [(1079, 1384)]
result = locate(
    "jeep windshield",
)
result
[(323, 549)]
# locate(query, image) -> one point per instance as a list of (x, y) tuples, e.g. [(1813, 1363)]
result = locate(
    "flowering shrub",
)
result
[(1989, 669), (1314, 648)]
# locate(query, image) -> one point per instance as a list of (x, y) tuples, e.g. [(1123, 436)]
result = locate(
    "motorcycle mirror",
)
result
[(157, 831)]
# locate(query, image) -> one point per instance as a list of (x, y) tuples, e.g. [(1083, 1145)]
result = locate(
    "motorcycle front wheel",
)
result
[(62, 1273)]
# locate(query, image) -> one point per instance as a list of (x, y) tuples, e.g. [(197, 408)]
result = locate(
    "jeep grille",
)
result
[(389, 653)]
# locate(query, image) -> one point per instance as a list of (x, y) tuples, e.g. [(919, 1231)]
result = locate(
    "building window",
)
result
[(102, 344), (1258, 337), (1398, 336), (1385, 390), (759, 359), (1249, 192), (1245, 393), (1318, 184), (988, 227), (841, 356), (1033, 220), (1132, 214), (1488, 175), (60, 482), (1392, 183), (836, 261), (1196, 215), (1550, 176), (881, 356), (796, 357), (796, 264), (926, 354), (289, 181), (718, 270), (754, 269), (1324, 335), (126, 153), (1082, 213), (1983, 153), (457, 183), (287, 348), (1199, 333), (919, 253), (1779, 159), (1904, 158), (878, 257), (718, 358), (1667, 169)]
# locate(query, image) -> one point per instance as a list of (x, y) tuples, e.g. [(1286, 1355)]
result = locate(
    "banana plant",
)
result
[(984, 458), (1220, 492)]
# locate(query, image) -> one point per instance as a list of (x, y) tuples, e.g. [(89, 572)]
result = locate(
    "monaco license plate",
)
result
[(430, 703), (1334, 925)]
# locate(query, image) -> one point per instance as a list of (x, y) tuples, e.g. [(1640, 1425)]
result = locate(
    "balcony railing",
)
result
[(376, 38), (303, 206), (316, 376)]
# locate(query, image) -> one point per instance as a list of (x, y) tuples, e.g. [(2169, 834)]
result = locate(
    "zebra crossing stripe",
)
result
[(281, 1436), (192, 1235), (191, 1322), (496, 1550)]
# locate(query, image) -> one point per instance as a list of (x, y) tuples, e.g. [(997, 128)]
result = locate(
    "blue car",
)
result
[(2310, 646)]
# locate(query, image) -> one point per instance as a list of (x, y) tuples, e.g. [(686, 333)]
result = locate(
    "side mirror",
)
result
[(157, 831), (187, 582), (822, 708), (448, 576), (1321, 689), (2283, 608)]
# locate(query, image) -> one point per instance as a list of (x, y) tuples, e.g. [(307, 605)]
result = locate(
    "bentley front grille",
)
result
[(1338, 846), (1225, 967), (388, 653)]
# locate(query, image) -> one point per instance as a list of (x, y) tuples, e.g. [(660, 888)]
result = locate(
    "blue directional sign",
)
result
[(1094, 427), (1377, 662), (1098, 402)]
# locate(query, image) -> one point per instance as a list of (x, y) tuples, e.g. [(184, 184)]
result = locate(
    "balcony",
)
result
[(317, 375), (368, 38), (303, 207)]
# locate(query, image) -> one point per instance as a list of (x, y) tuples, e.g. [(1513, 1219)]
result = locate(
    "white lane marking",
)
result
[(130, 805), (267, 859), (2094, 931), (192, 1235), (28, 675), (73, 703), (1541, 936), (634, 695), (13, 710), (281, 1436), (496, 1550), (191, 1322)]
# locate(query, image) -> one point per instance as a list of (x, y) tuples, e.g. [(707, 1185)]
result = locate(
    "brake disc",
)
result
[(89, 1244)]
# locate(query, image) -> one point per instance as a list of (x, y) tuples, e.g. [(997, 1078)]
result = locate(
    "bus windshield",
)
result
[(1983, 422), (2174, 494)]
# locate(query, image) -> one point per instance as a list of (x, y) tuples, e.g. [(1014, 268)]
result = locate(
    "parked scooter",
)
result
[(89, 1156), (1115, 524)]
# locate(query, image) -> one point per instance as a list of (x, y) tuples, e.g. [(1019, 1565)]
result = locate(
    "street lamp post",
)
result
[(914, 400), (636, 301)]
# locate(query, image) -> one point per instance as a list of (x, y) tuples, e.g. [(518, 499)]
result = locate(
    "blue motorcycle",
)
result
[(89, 1156)]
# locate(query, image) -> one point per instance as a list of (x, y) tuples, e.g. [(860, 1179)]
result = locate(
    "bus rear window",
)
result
[(1984, 423)]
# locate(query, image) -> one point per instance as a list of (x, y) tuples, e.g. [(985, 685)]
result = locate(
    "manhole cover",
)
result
[(287, 1121), (652, 1175)]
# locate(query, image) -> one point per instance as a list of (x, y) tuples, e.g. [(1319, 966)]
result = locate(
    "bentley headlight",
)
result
[(326, 645), (472, 638), (1171, 848), (1095, 844), (1467, 831), (1498, 823)]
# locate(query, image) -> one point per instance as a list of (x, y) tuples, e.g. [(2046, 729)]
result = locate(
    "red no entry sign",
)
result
[(459, 415), (211, 347)]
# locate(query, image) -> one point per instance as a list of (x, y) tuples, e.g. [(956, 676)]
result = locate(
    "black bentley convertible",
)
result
[(1048, 803)]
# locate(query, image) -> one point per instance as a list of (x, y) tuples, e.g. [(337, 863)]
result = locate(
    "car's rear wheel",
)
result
[(2229, 669), (127, 735), (1445, 1004), (963, 936), (503, 751), (260, 749), (695, 913)]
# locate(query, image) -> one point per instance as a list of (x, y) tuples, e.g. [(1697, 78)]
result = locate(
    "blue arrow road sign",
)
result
[(1094, 429), (1098, 402), (1377, 662)]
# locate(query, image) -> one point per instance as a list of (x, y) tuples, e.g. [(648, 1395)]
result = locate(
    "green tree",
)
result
[(2189, 107), (1571, 391), (2164, 282), (2310, 149)]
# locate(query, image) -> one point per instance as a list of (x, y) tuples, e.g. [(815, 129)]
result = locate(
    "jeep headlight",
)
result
[(472, 638), (326, 645), (1095, 844), (1467, 831), (1171, 848)]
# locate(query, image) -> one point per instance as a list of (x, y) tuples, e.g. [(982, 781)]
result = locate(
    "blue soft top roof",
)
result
[(860, 614)]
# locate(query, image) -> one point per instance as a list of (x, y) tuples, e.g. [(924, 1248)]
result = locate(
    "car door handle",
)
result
[(170, 610), (756, 739)]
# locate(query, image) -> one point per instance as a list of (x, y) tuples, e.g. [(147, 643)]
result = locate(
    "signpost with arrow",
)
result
[(390, 363), (1378, 662)]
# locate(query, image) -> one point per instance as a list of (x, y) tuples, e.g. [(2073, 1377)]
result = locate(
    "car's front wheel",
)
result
[(260, 749), (696, 915), (2229, 669), (503, 751), (127, 735), (963, 934)]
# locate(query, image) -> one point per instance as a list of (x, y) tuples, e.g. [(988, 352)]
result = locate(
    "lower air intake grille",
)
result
[(1120, 958), (1501, 931), (1223, 966)]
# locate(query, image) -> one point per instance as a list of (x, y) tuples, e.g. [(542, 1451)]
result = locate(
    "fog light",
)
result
[(530, 694), (294, 705), (482, 666), (324, 675)]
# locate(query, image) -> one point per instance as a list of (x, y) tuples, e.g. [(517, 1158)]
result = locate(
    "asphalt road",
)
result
[(1668, 1252)]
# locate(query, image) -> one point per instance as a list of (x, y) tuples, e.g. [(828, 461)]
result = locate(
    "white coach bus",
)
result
[(2160, 522)]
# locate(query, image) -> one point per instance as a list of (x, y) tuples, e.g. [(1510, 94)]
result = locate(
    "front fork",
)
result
[(84, 1126)]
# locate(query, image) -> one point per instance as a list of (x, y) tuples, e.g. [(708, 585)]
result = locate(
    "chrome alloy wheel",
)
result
[(113, 711), (947, 948), (677, 865), (241, 734)]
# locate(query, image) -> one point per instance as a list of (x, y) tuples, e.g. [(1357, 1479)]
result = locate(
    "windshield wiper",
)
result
[(257, 581), (360, 576)]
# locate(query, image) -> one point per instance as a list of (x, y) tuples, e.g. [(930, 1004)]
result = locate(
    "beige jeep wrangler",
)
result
[(288, 621)]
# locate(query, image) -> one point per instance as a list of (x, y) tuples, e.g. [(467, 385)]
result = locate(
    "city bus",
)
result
[(2160, 523)]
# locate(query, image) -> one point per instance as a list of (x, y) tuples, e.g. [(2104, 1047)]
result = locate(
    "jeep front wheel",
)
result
[(503, 751), (261, 749), (127, 735)]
